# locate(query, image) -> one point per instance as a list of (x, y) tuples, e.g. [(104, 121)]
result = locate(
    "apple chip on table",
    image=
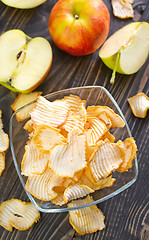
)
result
[(71, 152), (123, 8), (86, 220), (4, 144), (21, 100), (139, 105), (18, 214)]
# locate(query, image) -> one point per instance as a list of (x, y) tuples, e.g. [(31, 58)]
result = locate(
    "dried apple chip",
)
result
[(77, 114), (86, 220), (47, 185), (38, 186), (76, 191), (96, 131), (107, 158), (95, 111), (89, 151), (88, 180), (46, 137), (130, 150), (2, 162), (66, 159), (108, 136), (29, 126), (18, 214), (4, 140), (75, 104), (21, 100), (104, 117), (34, 161), (59, 200), (52, 114), (74, 123), (59, 184), (139, 105), (123, 8)]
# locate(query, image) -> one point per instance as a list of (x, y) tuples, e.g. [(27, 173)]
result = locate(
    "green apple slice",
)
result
[(24, 62), (24, 4), (127, 49)]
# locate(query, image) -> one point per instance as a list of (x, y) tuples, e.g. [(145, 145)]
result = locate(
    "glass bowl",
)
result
[(94, 95)]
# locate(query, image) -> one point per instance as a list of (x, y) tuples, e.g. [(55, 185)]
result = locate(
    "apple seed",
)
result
[(19, 54)]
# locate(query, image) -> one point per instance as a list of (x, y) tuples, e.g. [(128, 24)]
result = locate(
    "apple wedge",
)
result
[(24, 62), (23, 4), (127, 49)]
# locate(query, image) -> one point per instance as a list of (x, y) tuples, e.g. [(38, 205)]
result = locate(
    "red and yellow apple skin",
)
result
[(79, 27)]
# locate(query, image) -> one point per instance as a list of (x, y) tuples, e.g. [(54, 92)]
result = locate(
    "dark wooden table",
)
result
[(127, 214)]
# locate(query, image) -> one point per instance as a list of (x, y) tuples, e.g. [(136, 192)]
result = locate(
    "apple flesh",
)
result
[(23, 4), (79, 27), (24, 62), (127, 49)]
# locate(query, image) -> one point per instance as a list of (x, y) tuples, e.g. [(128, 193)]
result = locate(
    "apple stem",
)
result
[(115, 67)]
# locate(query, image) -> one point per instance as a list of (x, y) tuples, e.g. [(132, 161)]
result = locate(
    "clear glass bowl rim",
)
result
[(45, 210)]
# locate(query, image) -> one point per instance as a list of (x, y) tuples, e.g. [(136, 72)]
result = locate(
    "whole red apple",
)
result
[(79, 27)]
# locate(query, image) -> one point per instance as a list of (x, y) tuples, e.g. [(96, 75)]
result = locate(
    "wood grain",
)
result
[(127, 214)]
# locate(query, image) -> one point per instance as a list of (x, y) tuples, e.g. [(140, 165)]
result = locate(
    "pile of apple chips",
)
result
[(71, 153)]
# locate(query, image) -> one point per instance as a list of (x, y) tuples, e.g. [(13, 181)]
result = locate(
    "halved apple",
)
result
[(24, 4), (127, 49), (24, 62)]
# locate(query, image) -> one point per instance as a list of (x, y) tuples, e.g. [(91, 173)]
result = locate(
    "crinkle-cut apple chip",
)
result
[(75, 104), (38, 186), (107, 158), (67, 159), (139, 104), (123, 8), (88, 180), (95, 111), (4, 140), (46, 137), (77, 114), (108, 136), (34, 161), (130, 150), (104, 117), (64, 133), (59, 199), (86, 220), (2, 162), (89, 151), (52, 114), (96, 131), (59, 184), (22, 100), (76, 191), (18, 214), (47, 185), (29, 126), (74, 123)]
